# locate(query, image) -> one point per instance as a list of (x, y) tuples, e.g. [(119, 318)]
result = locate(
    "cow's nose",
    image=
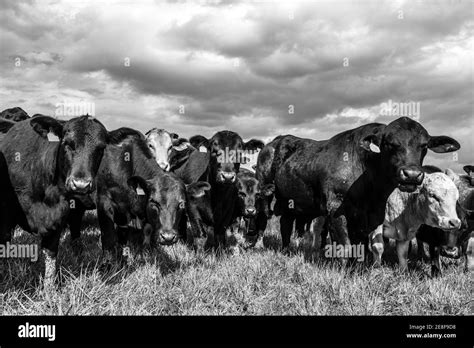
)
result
[(164, 165), (412, 175), (250, 211), (168, 237), (454, 223), (81, 184), (228, 176)]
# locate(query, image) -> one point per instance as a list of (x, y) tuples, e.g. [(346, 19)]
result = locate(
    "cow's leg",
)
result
[(376, 245), (75, 222), (313, 239), (260, 226), (7, 225), (435, 261), (325, 233), (300, 224), (105, 215), (123, 234), (468, 251), (183, 229), (286, 227), (341, 234), (402, 252), (231, 240), (49, 247), (219, 237)]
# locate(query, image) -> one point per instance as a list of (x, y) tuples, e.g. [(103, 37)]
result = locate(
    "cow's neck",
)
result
[(379, 185), (51, 163)]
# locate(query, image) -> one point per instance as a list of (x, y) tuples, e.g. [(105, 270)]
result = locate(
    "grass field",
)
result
[(177, 281)]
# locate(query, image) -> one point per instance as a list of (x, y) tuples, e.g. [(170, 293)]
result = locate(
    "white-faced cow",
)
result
[(433, 204), (161, 143)]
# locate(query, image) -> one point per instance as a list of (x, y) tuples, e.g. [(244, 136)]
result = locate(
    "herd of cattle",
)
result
[(364, 185)]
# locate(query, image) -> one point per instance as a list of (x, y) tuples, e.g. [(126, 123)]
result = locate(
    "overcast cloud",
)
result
[(244, 65)]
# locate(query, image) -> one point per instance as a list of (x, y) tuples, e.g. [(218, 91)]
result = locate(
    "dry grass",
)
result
[(177, 281)]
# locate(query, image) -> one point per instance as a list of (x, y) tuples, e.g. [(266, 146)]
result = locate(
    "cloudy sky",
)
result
[(261, 68)]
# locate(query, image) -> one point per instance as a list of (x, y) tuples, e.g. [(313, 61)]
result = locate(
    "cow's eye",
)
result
[(242, 194)]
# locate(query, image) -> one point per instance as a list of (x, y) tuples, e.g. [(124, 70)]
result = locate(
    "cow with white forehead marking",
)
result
[(161, 143), (433, 204)]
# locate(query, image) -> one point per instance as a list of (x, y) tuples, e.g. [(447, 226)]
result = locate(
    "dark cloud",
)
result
[(241, 65)]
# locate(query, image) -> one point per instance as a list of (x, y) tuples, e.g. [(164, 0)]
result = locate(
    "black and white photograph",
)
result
[(243, 159)]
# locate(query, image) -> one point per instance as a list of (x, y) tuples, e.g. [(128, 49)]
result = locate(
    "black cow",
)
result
[(192, 166), (349, 177), (227, 152), (452, 244), (252, 209), (48, 161), (132, 187), (469, 169), (15, 114)]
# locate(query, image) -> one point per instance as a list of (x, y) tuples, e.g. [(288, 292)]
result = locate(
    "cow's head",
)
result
[(161, 143), (81, 143), (165, 203), (469, 169), (228, 151), (251, 196), (451, 241), (165, 198), (437, 201), (402, 146)]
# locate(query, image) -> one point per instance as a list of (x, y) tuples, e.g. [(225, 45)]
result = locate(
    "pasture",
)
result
[(177, 281)]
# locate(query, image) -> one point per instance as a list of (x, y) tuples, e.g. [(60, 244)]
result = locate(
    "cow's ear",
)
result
[(452, 175), (198, 189), (5, 125), (371, 143), (198, 140), (253, 145), (443, 144), (45, 125), (139, 185), (268, 189), (469, 169), (119, 135), (180, 144)]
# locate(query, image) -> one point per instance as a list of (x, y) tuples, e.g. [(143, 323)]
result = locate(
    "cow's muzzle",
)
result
[(167, 237), (226, 177), (250, 212), (410, 178), (79, 185), (165, 166)]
